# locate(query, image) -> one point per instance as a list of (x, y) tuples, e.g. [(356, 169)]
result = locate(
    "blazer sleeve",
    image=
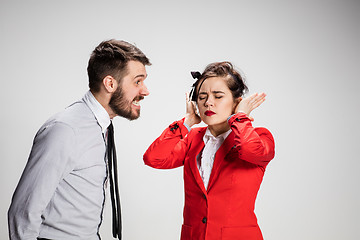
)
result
[(169, 149), (254, 145)]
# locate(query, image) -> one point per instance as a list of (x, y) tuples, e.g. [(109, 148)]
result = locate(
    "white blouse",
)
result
[(206, 161)]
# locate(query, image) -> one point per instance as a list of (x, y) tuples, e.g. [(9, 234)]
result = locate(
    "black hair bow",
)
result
[(195, 75)]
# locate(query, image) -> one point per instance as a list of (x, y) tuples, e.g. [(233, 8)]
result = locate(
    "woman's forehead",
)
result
[(214, 84)]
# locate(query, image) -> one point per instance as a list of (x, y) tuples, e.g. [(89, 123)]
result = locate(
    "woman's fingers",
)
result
[(256, 99), (251, 102), (191, 117), (258, 103), (189, 104)]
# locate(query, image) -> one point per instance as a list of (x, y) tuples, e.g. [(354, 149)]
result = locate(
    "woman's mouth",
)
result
[(209, 113)]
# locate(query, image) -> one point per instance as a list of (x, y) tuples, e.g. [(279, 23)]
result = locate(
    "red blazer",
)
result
[(226, 209)]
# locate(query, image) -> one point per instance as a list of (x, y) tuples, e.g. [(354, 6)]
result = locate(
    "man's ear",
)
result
[(110, 84)]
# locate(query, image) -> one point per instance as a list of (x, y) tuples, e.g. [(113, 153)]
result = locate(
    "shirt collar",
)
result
[(222, 137), (98, 110)]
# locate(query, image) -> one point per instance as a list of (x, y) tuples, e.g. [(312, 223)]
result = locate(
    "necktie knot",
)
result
[(111, 127)]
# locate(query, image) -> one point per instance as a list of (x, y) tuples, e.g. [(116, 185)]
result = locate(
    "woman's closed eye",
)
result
[(202, 96), (216, 97)]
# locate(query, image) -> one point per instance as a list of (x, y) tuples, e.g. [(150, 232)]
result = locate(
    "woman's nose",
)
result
[(209, 102)]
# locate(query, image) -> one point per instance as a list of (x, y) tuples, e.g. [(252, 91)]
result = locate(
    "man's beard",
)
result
[(122, 106)]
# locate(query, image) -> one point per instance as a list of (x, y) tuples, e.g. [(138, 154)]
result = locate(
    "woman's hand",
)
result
[(191, 117), (248, 104)]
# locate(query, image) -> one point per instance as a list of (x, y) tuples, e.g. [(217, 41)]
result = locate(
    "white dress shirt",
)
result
[(206, 161), (61, 192)]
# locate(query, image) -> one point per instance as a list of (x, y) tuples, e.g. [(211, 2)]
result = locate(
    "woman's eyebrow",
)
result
[(214, 92), (218, 92)]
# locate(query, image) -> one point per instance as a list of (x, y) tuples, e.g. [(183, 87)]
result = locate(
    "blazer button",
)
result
[(204, 220), (204, 196)]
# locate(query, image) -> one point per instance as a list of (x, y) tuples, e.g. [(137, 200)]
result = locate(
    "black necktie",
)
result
[(114, 190)]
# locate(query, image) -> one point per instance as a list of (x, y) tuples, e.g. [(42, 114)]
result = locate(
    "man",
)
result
[(61, 192)]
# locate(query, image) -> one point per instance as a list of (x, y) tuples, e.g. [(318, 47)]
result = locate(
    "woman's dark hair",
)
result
[(111, 58), (233, 78)]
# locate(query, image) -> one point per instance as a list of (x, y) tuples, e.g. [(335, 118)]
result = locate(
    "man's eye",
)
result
[(137, 82), (201, 98), (218, 97)]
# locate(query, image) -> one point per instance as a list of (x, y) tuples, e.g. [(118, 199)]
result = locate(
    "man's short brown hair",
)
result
[(111, 58)]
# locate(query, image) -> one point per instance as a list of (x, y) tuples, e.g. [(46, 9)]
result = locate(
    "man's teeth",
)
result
[(136, 103)]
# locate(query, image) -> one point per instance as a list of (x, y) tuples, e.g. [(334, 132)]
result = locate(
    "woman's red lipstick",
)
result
[(209, 113)]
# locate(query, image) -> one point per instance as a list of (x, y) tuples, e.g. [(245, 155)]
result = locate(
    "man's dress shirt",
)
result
[(61, 192)]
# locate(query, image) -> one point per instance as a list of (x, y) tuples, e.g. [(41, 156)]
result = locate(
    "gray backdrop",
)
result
[(303, 54)]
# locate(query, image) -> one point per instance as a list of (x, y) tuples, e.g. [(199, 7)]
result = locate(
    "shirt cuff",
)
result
[(230, 117), (237, 117), (234, 114), (187, 126)]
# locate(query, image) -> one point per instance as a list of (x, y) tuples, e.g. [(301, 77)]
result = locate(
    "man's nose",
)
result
[(144, 90)]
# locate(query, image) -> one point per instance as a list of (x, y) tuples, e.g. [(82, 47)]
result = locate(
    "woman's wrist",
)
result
[(190, 120), (242, 111)]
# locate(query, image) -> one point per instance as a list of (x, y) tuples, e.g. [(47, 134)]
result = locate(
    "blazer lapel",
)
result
[(220, 158), (197, 146)]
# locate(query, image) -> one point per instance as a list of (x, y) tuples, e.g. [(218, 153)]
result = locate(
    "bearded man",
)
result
[(61, 192)]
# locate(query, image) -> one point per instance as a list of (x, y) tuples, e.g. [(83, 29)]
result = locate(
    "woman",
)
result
[(224, 163)]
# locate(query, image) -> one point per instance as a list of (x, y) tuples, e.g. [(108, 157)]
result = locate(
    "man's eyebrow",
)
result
[(141, 75)]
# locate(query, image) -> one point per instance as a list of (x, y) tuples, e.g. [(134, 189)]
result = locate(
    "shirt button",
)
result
[(204, 220)]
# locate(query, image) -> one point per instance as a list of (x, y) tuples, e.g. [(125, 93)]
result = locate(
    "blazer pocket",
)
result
[(241, 233), (186, 232)]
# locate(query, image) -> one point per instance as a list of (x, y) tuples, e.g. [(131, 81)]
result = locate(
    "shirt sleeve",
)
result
[(169, 149), (254, 145), (48, 163)]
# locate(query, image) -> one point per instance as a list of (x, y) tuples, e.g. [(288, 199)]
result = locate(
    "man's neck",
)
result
[(104, 100)]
